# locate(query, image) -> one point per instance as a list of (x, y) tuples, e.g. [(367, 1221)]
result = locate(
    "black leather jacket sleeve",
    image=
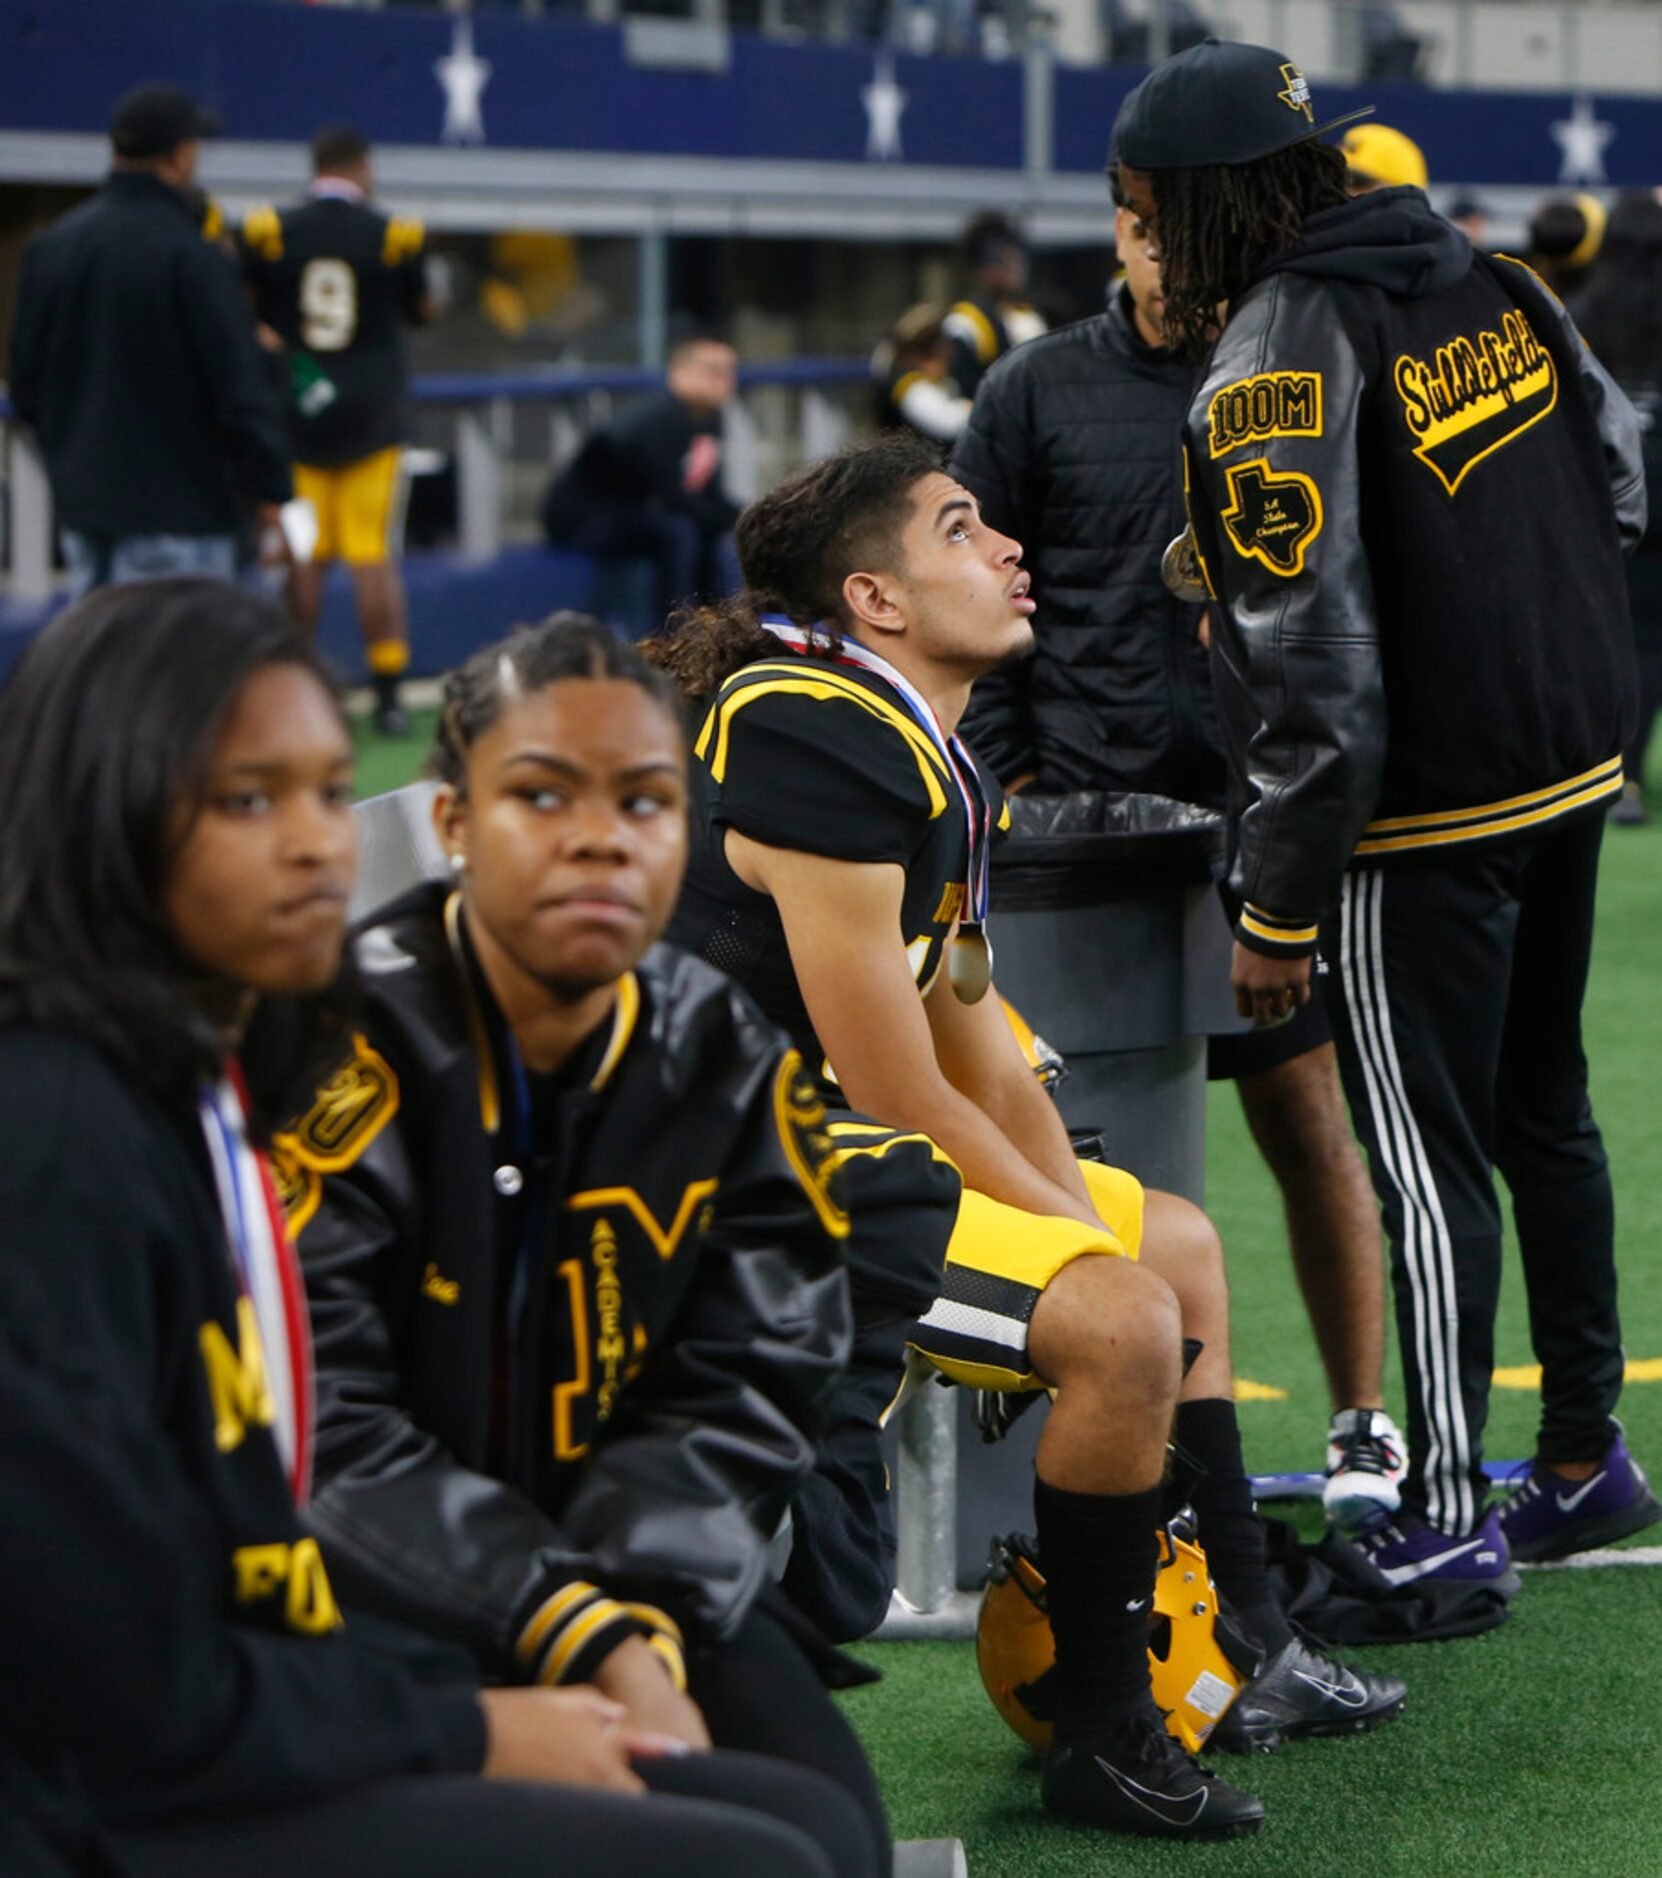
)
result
[(1296, 649), (666, 1525), (990, 459)]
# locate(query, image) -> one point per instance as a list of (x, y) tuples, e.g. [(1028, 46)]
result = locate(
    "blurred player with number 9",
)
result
[(336, 280)]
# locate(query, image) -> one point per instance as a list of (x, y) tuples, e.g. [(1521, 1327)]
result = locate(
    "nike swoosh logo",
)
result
[(1568, 1502), (1350, 1692), (1404, 1574), (1174, 1811), (1136, 1604)]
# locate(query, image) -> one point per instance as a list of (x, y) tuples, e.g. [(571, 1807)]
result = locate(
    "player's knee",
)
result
[(1108, 1321), (1182, 1244)]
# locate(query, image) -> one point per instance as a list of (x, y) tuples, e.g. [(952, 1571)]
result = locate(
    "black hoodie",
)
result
[(1411, 485)]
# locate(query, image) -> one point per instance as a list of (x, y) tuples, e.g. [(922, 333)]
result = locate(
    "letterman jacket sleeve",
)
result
[(667, 1528), (1295, 658)]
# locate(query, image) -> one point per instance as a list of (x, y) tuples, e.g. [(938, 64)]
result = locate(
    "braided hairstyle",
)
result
[(842, 515), (1216, 226), (566, 645)]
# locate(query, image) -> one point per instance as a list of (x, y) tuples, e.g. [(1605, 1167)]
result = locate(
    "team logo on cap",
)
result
[(1297, 95), (1273, 516), (1474, 395)]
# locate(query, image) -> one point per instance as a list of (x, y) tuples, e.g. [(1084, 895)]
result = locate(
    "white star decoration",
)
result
[(1582, 137), (464, 78), (884, 101)]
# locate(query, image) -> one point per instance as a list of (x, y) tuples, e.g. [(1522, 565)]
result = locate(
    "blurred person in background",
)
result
[(914, 383), (648, 486), (1565, 235), (994, 315), (1073, 450), (133, 359), (1620, 316), (1377, 157), (336, 280), (1470, 214)]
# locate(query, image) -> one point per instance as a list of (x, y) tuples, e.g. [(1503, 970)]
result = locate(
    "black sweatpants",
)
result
[(1455, 993), (708, 1816)]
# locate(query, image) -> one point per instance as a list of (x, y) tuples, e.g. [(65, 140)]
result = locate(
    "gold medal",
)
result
[(970, 964)]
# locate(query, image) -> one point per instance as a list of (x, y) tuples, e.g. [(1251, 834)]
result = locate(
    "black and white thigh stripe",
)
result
[(1428, 1251), (979, 1318)]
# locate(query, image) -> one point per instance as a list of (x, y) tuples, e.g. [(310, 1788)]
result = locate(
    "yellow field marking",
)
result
[(1528, 1375), (1249, 1391)]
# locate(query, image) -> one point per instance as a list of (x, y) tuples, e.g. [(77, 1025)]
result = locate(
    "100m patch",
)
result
[(1272, 404)]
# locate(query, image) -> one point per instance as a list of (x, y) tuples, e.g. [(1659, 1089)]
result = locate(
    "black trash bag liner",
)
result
[(1336, 1594), (1091, 847)]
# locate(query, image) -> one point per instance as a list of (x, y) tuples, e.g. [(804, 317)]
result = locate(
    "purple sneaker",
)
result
[(1409, 1550), (1546, 1516)]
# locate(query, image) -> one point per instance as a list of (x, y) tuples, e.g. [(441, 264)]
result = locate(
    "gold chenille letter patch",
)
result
[(1273, 516), (1272, 404), (1474, 396), (806, 1141), (351, 1109)]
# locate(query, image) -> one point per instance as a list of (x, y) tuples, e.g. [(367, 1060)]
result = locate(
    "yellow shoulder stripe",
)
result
[(986, 340), (823, 686), (800, 1115)]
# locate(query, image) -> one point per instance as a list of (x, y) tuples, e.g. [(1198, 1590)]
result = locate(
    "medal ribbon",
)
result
[(267, 1270), (978, 812)]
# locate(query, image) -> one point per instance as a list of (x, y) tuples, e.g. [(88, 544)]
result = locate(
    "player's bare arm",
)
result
[(842, 924)]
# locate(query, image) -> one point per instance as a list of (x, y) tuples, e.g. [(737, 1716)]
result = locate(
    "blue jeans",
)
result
[(100, 561)]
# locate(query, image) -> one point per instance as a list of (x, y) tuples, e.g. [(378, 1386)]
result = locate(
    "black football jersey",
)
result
[(338, 280), (823, 758)]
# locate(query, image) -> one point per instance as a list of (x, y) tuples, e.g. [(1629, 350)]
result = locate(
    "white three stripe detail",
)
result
[(968, 1320), (1428, 1251)]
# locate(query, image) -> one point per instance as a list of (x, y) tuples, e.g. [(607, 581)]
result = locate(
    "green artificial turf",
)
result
[(1536, 1749)]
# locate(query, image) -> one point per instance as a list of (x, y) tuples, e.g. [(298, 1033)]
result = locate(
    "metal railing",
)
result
[(785, 413)]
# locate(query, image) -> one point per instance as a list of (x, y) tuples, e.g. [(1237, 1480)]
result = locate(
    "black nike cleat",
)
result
[(1131, 1776), (1298, 1693)]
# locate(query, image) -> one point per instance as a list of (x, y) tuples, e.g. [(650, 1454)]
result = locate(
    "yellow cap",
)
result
[(1384, 156)]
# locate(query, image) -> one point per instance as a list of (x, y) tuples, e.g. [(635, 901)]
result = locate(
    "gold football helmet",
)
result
[(1195, 1679)]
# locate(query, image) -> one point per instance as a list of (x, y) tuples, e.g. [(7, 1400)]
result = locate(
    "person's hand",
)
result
[(1019, 783), (573, 1736), (636, 1676), (1203, 628), (1268, 990)]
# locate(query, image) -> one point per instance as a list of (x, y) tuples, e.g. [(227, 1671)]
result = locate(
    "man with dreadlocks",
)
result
[(838, 870), (1410, 486)]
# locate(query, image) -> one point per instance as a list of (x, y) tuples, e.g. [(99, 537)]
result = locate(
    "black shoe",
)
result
[(1298, 1693), (1132, 1776), (391, 720)]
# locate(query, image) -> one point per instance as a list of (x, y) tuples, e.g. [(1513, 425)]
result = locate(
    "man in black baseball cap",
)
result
[(152, 121), (1409, 486)]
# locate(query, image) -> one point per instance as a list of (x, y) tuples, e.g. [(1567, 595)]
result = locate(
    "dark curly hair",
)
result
[(1216, 226), (797, 545), (107, 730), (565, 645)]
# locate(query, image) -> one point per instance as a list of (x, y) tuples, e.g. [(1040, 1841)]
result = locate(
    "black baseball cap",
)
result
[(151, 120), (1220, 102)]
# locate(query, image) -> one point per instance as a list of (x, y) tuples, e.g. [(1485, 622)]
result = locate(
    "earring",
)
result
[(457, 863)]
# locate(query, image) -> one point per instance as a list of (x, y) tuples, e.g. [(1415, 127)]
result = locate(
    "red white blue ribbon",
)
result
[(266, 1267)]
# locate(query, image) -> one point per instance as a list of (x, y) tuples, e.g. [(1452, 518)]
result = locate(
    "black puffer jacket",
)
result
[(1073, 449)]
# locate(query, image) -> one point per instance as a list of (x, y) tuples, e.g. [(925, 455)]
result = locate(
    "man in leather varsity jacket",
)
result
[(1410, 485), (569, 1241)]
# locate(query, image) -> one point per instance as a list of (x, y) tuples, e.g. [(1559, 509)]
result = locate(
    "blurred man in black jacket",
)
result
[(1073, 449), (649, 487), (133, 358)]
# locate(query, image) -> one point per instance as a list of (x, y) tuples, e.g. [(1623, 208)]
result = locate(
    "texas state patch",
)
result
[(1273, 516), (800, 1113), (351, 1109)]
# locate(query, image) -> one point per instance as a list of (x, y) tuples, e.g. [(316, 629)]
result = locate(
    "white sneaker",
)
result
[(1366, 1459)]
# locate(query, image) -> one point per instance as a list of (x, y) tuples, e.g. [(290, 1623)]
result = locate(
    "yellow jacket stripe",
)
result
[(670, 1651), (564, 1603), (1493, 818), (1279, 932), (581, 1630), (796, 681), (970, 315)]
